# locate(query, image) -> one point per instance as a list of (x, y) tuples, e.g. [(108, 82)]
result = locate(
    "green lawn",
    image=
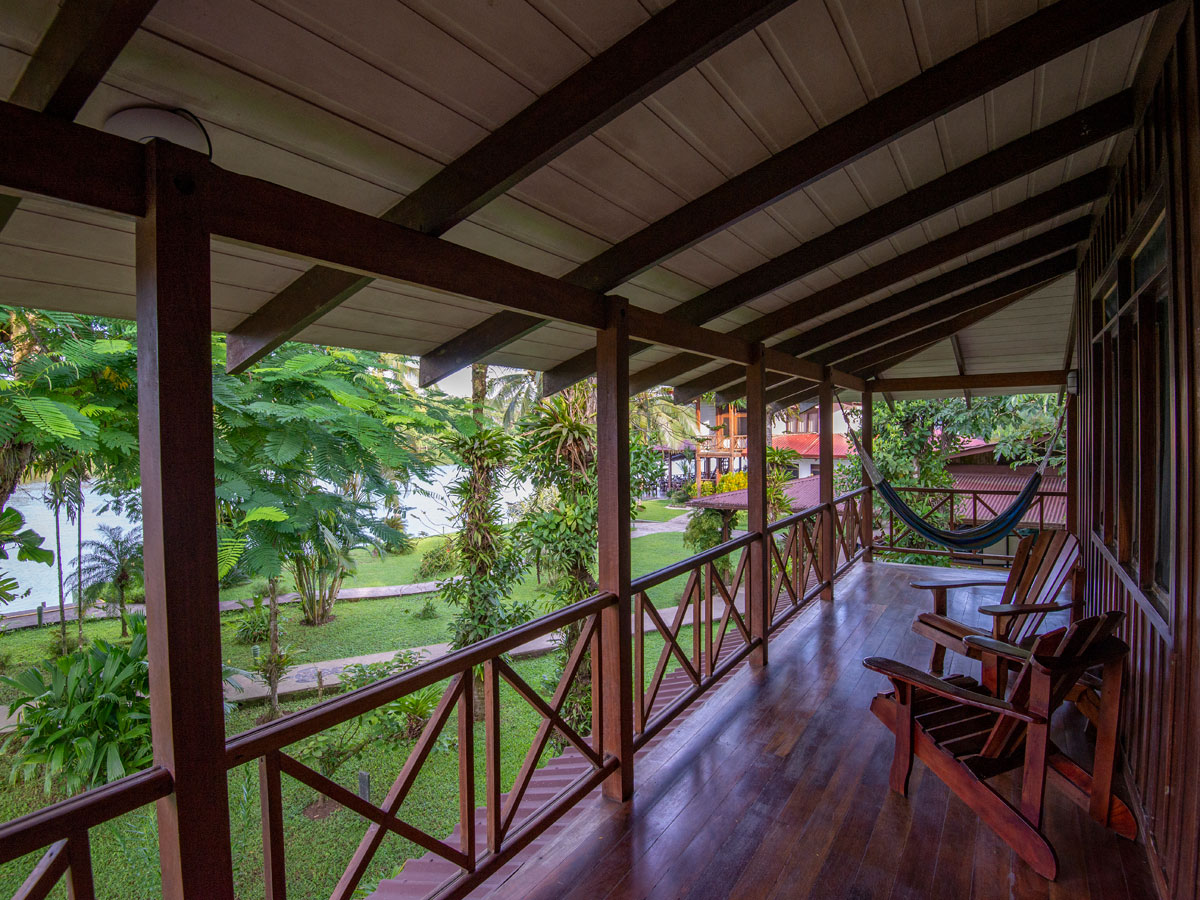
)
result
[(658, 511), (359, 627), (125, 850)]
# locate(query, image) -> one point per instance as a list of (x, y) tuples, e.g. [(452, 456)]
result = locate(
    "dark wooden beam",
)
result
[(1019, 157), (614, 567), (40, 154), (180, 521), (827, 548), (758, 579), (72, 58), (903, 341), (983, 67), (1024, 215), (960, 364), (76, 52), (967, 382), (846, 380), (629, 71)]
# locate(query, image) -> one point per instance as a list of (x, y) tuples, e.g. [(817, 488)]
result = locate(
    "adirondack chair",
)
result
[(1041, 567), (966, 735)]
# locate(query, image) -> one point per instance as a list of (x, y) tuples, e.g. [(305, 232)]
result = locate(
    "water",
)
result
[(429, 513)]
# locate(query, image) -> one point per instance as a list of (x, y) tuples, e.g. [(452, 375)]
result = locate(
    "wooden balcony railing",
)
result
[(952, 508), (713, 602)]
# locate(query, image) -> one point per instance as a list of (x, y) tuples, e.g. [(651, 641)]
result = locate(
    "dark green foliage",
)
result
[(28, 544), (254, 624), (114, 562), (85, 718), (646, 466), (438, 561)]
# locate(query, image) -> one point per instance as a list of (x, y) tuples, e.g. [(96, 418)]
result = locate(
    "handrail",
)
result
[(850, 495), (665, 574), (789, 520), (951, 489), (256, 742), (69, 817)]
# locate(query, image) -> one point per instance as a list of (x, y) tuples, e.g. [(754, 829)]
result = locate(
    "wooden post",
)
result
[(828, 548), (866, 434), (758, 580), (180, 527), (612, 468)]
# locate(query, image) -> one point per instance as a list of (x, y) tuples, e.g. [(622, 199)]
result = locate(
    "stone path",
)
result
[(302, 679), (679, 523)]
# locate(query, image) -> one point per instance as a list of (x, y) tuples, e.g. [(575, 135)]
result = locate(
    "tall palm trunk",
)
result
[(62, 597), (479, 373), (79, 573)]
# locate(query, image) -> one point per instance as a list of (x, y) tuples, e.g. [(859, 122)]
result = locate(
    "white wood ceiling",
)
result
[(360, 101)]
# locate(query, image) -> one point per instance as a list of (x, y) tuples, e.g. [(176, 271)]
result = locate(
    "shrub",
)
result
[(403, 717), (732, 481), (437, 562), (427, 610), (254, 624), (85, 717)]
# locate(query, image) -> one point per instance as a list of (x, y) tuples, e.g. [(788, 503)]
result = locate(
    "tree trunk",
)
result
[(14, 460), (79, 571), (479, 373), (62, 599), (273, 648), (121, 609)]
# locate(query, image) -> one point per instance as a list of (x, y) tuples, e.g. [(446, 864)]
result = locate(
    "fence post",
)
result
[(180, 525), (866, 430), (828, 546), (612, 469), (758, 581)]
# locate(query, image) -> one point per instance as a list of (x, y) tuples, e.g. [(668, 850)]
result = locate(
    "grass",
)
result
[(358, 627), (125, 850), (658, 511)]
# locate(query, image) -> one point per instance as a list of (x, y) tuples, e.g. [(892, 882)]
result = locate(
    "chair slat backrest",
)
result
[(1064, 643), (1041, 567)]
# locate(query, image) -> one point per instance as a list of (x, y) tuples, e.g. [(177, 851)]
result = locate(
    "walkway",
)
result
[(777, 787), (677, 524)]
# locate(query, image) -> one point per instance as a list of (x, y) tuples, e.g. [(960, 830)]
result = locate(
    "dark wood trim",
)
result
[(759, 578), (966, 382), (180, 528), (960, 364), (866, 435), (613, 487), (846, 380), (1019, 157)]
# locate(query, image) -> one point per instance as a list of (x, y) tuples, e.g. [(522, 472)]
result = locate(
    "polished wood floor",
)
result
[(777, 788)]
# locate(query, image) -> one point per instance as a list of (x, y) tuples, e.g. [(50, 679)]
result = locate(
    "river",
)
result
[(428, 514)]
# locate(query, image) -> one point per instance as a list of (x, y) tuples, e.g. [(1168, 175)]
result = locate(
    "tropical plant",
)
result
[(113, 562), (84, 718), (486, 560), (655, 415), (646, 466), (254, 624), (437, 561), (781, 467), (514, 393), (28, 544), (705, 529)]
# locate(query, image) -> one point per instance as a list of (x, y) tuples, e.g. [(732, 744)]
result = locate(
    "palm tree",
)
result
[(114, 561), (515, 394), (655, 414)]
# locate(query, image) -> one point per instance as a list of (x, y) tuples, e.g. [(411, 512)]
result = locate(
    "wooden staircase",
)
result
[(423, 876)]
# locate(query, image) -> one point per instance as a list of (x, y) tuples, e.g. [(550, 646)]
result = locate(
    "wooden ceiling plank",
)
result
[(1031, 212), (961, 365), (1019, 157), (619, 78), (1023, 280), (1021, 48)]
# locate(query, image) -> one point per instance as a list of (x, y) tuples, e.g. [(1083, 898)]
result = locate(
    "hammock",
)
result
[(975, 538)]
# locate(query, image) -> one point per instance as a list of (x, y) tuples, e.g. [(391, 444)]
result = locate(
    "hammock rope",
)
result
[(975, 538)]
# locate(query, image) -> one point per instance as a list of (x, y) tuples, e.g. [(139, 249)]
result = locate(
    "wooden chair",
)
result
[(966, 735), (1040, 569)]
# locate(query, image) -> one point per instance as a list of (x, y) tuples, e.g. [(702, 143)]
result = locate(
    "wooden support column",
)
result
[(759, 580), (180, 527), (825, 438), (612, 467), (866, 434)]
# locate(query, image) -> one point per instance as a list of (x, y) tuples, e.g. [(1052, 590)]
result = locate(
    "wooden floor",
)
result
[(777, 787)]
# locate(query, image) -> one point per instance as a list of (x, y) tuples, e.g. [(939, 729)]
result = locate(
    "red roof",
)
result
[(806, 492), (808, 445)]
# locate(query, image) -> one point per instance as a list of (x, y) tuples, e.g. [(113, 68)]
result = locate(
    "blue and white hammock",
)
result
[(974, 538)]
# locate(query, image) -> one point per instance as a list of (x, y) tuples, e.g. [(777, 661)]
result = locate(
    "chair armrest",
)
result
[(1003, 649), (1022, 609), (1108, 650), (946, 585), (898, 671)]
